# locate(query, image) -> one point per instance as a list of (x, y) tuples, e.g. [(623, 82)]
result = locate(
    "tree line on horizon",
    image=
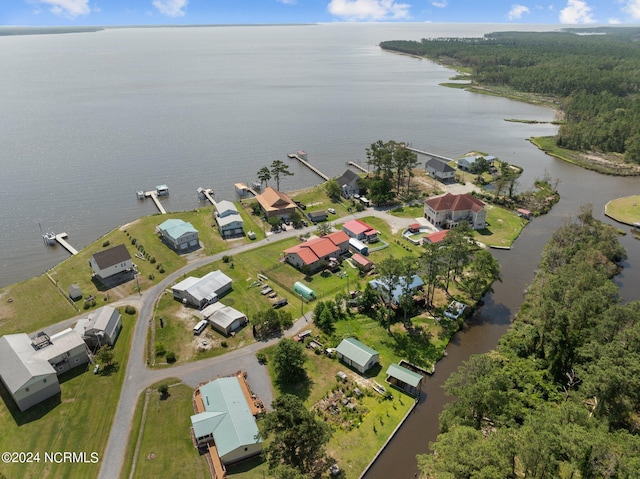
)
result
[(595, 74)]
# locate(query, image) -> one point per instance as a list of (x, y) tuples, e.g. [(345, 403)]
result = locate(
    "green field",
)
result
[(503, 227), (78, 420), (624, 210)]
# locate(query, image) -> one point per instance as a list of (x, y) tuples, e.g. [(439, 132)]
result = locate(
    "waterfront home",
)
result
[(439, 170), (348, 183), (29, 368), (449, 210), (111, 262), (228, 219), (224, 422), (200, 292), (178, 235), (316, 253), (274, 203), (361, 231), (357, 355), (466, 162)]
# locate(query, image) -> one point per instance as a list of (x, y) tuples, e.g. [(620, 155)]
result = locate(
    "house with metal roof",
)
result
[(467, 162), (223, 319), (100, 327), (199, 292), (226, 420), (360, 230), (404, 379), (111, 262), (357, 355), (348, 183), (228, 219), (449, 210), (317, 252), (179, 235), (399, 288), (29, 368), (439, 170)]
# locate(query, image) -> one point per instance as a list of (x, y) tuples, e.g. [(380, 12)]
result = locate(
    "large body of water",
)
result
[(89, 119)]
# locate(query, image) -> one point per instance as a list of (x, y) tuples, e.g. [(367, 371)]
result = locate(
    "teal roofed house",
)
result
[(179, 235), (227, 421), (357, 355)]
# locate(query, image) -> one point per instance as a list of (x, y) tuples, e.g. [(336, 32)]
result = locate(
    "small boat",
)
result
[(257, 185), (140, 195), (49, 238)]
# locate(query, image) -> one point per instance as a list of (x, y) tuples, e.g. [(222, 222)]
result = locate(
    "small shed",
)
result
[(317, 216), (75, 293), (357, 355), (358, 246), (303, 290), (404, 379)]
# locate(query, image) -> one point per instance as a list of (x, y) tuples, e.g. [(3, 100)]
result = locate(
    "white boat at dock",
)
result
[(49, 238)]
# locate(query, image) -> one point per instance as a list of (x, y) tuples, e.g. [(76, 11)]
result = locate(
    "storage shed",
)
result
[(303, 290), (75, 293), (357, 355), (358, 246), (404, 379)]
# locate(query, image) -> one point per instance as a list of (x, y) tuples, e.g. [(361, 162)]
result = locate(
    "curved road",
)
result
[(139, 377)]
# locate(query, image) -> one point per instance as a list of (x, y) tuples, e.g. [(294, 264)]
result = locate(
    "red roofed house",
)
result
[(362, 263), (275, 203), (360, 230), (449, 210), (316, 252), (435, 237)]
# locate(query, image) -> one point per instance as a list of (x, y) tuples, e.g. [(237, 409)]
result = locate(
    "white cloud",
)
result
[(632, 7), (439, 3), (67, 8), (614, 21), (575, 12), (368, 10), (171, 8), (288, 2), (517, 11)]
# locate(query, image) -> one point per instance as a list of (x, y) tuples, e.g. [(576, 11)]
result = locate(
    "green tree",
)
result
[(264, 175), (279, 169), (390, 270), (367, 300), (288, 361), (333, 189), (431, 266), (105, 355), (484, 269), (298, 437), (323, 229)]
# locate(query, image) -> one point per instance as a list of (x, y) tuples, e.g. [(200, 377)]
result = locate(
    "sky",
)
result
[(193, 12)]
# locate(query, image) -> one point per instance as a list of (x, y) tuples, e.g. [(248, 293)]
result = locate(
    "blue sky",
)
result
[(154, 12)]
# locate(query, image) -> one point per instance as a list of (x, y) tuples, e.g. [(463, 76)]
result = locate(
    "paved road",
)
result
[(139, 377)]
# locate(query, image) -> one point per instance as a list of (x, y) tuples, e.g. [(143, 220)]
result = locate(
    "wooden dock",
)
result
[(426, 153), (357, 166), (206, 193), (154, 196), (61, 239), (309, 165)]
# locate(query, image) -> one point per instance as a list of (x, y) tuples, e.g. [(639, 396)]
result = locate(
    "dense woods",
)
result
[(594, 73), (560, 397)]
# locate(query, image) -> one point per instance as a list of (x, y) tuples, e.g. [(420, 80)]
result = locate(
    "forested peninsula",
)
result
[(592, 75), (560, 396)]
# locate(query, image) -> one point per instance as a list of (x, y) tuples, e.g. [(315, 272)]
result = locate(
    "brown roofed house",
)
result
[(111, 262), (275, 203), (449, 210)]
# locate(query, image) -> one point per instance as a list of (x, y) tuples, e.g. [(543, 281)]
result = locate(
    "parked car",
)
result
[(331, 210)]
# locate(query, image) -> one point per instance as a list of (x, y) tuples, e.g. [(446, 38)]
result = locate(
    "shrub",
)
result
[(152, 260), (224, 344), (151, 276), (261, 357), (161, 269), (160, 350), (130, 309), (226, 258), (171, 357), (163, 389), (134, 241), (106, 243)]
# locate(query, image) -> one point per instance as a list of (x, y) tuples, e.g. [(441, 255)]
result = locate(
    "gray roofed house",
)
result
[(101, 327), (439, 169), (29, 368), (356, 354), (229, 221), (199, 292), (227, 420), (404, 379), (224, 319), (348, 183), (225, 208), (316, 216), (110, 262)]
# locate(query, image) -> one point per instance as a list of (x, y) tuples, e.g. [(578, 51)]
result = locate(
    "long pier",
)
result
[(154, 196), (61, 239), (357, 166), (426, 153), (309, 165)]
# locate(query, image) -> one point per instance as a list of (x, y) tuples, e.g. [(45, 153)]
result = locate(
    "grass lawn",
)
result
[(166, 449), (625, 210), (412, 211), (79, 420), (503, 227)]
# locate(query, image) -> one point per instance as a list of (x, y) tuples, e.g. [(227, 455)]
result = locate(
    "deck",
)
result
[(427, 153), (154, 196)]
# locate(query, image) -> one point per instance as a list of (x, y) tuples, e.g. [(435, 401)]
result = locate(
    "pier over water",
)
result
[(301, 156)]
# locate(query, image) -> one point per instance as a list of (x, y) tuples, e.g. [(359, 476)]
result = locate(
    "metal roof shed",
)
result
[(404, 379), (356, 354), (303, 290)]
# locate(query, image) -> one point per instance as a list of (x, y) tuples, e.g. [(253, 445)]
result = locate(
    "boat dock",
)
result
[(357, 166), (61, 239), (301, 156), (243, 190), (206, 194), (161, 190), (432, 155)]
